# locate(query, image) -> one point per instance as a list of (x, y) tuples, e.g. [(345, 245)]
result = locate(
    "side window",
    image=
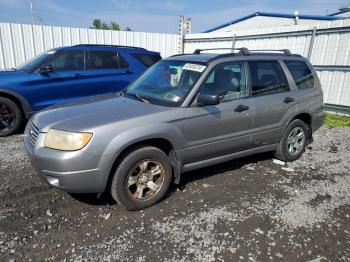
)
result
[(228, 81), (147, 59), (104, 60), (68, 61), (301, 74), (267, 78)]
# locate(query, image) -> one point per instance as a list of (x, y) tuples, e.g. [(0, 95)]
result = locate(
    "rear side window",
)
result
[(267, 78), (104, 60), (301, 74), (147, 59)]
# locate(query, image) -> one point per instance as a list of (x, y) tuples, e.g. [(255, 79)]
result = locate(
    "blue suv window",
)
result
[(147, 59), (68, 61), (104, 60)]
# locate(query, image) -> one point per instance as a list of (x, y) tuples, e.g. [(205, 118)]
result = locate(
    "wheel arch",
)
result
[(20, 101), (161, 143), (307, 119)]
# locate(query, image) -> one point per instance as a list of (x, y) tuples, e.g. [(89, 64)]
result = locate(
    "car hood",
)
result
[(10, 74), (86, 114)]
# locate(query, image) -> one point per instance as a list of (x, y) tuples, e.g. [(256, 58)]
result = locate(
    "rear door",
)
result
[(107, 71), (270, 93), (213, 131)]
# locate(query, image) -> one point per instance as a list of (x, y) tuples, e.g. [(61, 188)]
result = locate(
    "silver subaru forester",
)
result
[(185, 112)]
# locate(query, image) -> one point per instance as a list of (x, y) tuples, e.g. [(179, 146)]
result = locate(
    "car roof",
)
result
[(129, 49)]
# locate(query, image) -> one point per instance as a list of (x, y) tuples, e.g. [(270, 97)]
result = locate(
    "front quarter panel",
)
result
[(115, 145)]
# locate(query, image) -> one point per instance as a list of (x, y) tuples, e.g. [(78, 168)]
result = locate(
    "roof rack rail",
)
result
[(242, 50), (118, 46), (285, 51)]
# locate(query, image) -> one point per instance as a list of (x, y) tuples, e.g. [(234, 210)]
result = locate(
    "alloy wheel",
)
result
[(145, 180), (295, 141)]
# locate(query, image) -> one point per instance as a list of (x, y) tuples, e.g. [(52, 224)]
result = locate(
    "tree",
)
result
[(104, 26), (115, 26), (98, 24)]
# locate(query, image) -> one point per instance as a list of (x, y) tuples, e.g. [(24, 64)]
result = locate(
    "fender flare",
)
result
[(27, 109)]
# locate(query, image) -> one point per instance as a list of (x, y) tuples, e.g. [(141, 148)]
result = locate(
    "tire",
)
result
[(287, 149), (138, 172), (10, 117)]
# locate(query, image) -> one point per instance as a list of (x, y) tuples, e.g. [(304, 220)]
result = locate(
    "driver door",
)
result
[(213, 131), (65, 83)]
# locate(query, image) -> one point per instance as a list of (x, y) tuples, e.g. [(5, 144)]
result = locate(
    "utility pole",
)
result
[(189, 26), (32, 12), (34, 15), (184, 27)]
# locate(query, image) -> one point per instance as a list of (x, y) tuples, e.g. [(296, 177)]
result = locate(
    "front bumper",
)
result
[(73, 172)]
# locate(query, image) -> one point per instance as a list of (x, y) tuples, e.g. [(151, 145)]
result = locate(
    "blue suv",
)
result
[(63, 74)]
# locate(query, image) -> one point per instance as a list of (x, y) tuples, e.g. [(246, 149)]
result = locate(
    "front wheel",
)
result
[(293, 142), (142, 178), (10, 117)]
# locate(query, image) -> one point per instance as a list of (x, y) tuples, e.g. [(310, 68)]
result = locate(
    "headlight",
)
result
[(65, 140)]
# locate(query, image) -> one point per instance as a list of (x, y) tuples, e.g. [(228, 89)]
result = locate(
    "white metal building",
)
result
[(265, 20)]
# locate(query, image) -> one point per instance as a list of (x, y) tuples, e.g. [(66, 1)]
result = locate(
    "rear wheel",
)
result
[(142, 178), (10, 117), (293, 142)]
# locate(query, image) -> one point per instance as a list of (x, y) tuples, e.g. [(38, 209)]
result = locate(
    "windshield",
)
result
[(167, 82), (35, 61)]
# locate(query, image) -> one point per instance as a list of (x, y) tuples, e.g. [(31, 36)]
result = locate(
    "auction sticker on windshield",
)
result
[(194, 67)]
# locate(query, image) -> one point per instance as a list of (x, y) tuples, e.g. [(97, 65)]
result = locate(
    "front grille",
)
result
[(33, 134)]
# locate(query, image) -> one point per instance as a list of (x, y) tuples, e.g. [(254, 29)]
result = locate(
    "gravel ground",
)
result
[(252, 209)]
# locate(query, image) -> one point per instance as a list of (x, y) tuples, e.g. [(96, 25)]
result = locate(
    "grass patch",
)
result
[(333, 120)]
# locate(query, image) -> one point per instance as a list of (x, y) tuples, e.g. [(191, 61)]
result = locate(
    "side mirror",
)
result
[(45, 70), (207, 100)]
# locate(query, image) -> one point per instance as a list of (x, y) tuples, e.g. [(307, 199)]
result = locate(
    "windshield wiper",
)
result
[(121, 92), (137, 96)]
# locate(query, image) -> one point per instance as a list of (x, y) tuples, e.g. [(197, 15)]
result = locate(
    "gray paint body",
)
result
[(200, 136)]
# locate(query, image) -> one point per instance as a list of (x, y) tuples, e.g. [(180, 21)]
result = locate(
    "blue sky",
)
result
[(155, 15)]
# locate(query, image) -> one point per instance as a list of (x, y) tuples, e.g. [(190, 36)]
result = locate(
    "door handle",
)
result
[(288, 100), (241, 108), (77, 76)]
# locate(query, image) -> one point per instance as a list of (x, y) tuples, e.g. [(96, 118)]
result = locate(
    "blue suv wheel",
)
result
[(10, 117)]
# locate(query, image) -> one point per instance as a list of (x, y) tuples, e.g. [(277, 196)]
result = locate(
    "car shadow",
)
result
[(95, 200), (196, 175)]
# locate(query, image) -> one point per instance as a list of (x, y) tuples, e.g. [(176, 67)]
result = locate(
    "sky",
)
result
[(155, 15)]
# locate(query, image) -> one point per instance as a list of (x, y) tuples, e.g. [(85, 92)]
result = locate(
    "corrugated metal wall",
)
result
[(328, 50), (20, 42)]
